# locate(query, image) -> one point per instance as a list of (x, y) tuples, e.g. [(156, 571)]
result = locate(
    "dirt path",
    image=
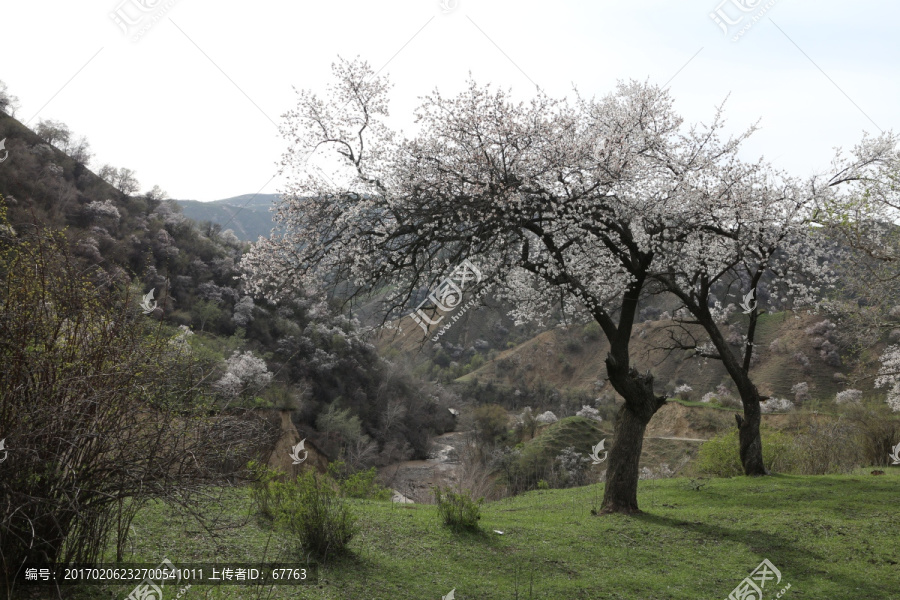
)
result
[(683, 439)]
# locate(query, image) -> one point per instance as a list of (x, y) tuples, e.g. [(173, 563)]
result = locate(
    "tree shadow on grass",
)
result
[(778, 550)]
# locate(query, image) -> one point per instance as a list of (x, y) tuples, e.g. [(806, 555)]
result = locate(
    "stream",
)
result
[(412, 480)]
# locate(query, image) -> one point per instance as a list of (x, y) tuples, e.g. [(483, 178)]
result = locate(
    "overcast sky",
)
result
[(189, 96)]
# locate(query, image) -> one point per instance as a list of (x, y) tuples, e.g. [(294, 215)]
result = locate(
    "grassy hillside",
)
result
[(831, 537)]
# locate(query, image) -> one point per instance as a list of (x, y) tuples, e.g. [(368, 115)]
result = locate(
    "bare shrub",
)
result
[(114, 419), (877, 429), (827, 447)]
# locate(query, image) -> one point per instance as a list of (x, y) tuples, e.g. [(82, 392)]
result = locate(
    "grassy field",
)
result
[(832, 537)]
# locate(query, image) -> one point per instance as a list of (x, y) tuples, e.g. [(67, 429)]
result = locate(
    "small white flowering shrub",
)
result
[(547, 417), (848, 396)]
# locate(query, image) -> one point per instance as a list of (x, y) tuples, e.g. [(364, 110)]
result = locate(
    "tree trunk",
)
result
[(748, 426), (622, 475), (750, 440), (620, 493)]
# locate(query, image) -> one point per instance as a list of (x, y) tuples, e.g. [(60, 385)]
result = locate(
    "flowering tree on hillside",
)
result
[(562, 206), (757, 241), (861, 210)]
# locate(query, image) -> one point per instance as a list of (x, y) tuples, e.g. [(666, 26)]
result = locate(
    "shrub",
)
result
[(458, 510), (877, 430), (722, 397), (99, 412), (801, 392), (573, 346), (720, 456), (546, 417), (359, 484), (261, 493), (848, 396), (774, 404), (824, 448), (310, 508), (572, 467), (592, 331), (589, 412), (684, 391), (527, 423), (490, 421)]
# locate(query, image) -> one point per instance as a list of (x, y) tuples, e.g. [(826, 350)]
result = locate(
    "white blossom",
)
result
[(589, 412), (848, 396), (546, 417), (889, 375)]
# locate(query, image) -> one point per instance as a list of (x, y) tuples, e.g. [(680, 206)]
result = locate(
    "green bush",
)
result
[(592, 331), (311, 509), (361, 484), (720, 456), (458, 511), (490, 421), (261, 493)]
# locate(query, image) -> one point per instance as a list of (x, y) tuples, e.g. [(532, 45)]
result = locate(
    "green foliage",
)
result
[(335, 420), (490, 421), (458, 511), (359, 484), (263, 478), (475, 363), (523, 468), (592, 331), (720, 456), (311, 509), (207, 312)]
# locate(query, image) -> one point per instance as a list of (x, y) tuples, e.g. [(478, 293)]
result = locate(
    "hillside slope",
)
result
[(248, 215)]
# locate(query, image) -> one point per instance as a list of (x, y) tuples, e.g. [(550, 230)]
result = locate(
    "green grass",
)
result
[(831, 537)]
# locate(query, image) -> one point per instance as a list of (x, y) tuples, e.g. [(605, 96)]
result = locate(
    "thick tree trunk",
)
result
[(622, 474), (620, 494)]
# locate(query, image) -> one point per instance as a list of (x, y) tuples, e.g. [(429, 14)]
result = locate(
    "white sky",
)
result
[(188, 105)]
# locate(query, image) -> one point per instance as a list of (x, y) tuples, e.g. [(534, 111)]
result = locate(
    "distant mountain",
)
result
[(247, 215)]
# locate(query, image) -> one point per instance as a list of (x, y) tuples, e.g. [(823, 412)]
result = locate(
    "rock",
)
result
[(400, 498)]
